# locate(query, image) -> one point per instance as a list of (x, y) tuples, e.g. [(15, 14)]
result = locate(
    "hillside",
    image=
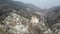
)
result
[(21, 18), (53, 15), (20, 7)]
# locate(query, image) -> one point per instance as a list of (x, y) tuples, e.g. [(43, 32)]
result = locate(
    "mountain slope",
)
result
[(53, 15)]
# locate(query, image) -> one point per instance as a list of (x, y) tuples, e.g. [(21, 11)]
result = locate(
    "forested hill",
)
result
[(53, 15), (7, 6), (19, 4)]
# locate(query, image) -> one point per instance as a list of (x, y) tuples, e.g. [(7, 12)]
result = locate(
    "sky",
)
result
[(43, 3)]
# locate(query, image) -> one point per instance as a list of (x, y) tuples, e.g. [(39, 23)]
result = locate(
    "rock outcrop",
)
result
[(17, 24)]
